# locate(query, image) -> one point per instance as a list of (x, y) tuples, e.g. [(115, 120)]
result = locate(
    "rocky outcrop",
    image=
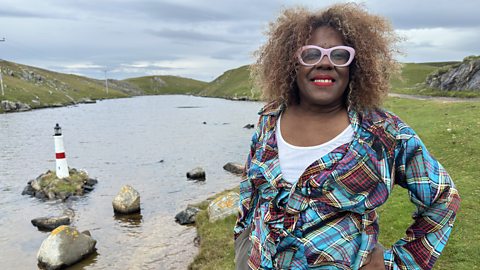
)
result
[(460, 77), (11, 106), (48, 187), (65, 246), (50, 223), (235, 168), (223, 206), (127, 201), (187, 216), (196, 174)]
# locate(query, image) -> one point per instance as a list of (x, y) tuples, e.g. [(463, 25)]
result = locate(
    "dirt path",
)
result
[(442, 99)]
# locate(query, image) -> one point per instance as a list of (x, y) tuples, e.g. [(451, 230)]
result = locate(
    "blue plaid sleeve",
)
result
[(436, 199), (245, 209)]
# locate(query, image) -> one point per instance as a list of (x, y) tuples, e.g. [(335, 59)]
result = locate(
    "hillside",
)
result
[(234, 83), (415, 73), (464, 76), (39, 88), (27, 87), (417, 79), (33, 87), (158, 85)]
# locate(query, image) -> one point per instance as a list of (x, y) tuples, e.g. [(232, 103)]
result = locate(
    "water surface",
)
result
[(147, 142)]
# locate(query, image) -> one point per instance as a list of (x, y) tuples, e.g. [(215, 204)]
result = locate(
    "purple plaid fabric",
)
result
[(328, 219)]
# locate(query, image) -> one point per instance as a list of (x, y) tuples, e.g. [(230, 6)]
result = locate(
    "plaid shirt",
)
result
[(328, 219)]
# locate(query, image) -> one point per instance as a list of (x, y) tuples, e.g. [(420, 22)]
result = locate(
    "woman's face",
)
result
[(323, 84)]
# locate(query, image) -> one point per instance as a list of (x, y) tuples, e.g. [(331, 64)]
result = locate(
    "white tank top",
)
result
[(295, 159)]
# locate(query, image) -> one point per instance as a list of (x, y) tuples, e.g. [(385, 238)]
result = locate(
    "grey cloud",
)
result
[(410, 14), (156, 10), (192, 36), (15, 13)]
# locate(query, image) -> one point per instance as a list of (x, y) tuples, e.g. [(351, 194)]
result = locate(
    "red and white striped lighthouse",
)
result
[(61, 160)]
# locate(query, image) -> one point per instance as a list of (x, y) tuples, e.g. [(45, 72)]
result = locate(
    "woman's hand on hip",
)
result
[(375, 259)]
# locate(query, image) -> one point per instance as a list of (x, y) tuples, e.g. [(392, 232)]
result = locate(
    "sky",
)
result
[(197, 39)]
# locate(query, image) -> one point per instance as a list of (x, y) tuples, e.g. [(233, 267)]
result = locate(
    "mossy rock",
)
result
[(49, 186)]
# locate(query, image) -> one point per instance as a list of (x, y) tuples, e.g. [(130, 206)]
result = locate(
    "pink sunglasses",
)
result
[(339, 56)]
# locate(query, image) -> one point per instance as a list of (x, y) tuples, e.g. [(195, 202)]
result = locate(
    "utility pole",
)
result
[(106, 81), (1, 78)]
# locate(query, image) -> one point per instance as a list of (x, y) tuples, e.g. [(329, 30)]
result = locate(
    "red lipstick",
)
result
[(323, 80)]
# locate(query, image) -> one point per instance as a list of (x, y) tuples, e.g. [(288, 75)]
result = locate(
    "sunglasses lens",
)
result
[(339, 56), (311, 56)]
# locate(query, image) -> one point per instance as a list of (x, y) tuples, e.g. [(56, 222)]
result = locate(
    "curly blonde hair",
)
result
[(371, 36)]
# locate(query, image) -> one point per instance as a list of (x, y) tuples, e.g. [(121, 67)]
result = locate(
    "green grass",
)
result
[(157, 85), (451, 132), (234, 83)]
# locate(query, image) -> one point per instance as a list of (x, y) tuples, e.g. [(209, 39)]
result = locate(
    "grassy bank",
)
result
[(451, 132)]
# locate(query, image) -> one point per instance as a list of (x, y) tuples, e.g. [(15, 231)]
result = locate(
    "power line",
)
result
[(106, 81), (1, 78)]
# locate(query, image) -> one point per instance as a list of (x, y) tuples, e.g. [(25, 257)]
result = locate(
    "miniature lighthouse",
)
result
[(61, 160)]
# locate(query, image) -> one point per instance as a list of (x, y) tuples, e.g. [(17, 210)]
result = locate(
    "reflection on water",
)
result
[(146, 142), (128, 221)]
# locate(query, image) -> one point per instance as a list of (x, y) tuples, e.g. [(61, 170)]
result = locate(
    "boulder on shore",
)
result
[(187, 216), (127, 201), (50, 223), (196, 174), (223, 206), (65, 246), (10, 106), (235, 168)]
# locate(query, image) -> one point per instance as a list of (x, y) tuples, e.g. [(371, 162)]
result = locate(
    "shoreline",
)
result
[(94, 101)]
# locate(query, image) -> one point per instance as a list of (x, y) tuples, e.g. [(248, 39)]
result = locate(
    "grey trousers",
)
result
[(243, 245)]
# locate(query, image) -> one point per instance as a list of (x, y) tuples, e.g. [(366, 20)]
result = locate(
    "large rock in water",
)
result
[(463, 76), (48, 186), (223, 206), (127, 201), (235, 168), (196, 174), (65, 246), (187, 216), (50, 223)]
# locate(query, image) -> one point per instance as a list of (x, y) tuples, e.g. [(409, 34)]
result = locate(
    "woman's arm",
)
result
[(246, 202), (434, 194)]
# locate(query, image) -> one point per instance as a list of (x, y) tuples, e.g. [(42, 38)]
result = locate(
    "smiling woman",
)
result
[(325, 156)]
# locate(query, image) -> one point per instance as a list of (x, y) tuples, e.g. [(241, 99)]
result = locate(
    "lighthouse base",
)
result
[(48, 186)]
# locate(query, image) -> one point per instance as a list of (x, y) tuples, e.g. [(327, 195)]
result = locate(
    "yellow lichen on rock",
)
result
[(60, 229)]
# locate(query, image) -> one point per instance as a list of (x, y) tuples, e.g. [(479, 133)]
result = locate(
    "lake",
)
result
[(148, 142)]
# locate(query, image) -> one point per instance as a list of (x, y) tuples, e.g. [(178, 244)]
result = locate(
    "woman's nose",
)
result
[(324, 63)]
